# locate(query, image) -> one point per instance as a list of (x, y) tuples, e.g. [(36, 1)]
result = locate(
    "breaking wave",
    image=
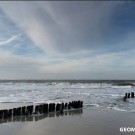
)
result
[(106, 94)]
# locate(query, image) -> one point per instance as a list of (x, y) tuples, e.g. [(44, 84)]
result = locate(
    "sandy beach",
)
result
[(87, 121)]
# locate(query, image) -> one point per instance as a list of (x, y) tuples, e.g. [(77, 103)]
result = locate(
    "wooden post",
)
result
[(50, 107), (31, 109), (5, 114), (62, 106), (69, 105), (40, 109), (14, 112), (76, 104), (81, 104), (36, 109), (128, 95), (23, 110), (19, 111), (1, 114), (58, 107), (27, 110), (45, 108), (10, 113), (132, 94), (66, 104), (53, 107), (72, 104)]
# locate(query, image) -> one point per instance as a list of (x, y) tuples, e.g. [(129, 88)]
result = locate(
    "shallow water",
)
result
[(106, 94)]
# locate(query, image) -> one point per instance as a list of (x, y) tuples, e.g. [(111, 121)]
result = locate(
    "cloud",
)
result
[(103, 66), (92, 65), (18, 67), (13, 38), (67, 27), (86, 40)]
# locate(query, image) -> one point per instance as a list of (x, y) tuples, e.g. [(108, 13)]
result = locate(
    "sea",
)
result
[(94, 93)]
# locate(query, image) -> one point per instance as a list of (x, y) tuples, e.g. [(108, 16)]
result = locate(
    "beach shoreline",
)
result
[(89, 121)]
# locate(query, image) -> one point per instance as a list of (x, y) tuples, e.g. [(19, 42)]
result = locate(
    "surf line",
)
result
[(43, 108)]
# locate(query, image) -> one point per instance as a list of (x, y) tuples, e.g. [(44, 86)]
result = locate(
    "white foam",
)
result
[(93, 94), (118, 109)]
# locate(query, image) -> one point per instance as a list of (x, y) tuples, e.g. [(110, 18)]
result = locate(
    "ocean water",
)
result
[(104, 94)]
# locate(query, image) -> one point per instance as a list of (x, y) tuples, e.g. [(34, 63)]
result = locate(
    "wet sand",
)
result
[(89, 121)]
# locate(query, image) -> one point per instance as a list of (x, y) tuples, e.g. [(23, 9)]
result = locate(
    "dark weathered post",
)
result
[(10, 113), (31, 109), (40, 109), (50, 107), (132, 94), (58, 106), (62, 106), (19, 111), (81, 104), (14, 112), (53, 107), (23, 110), (66, 104), (5, 114), (1, 114), (36, 109), (45, 108), (27, 110), (128, 95), (57, 109), (69, 105), (125, 97), (76, 104), (72, 104)]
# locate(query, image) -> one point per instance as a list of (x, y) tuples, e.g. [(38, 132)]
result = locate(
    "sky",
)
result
[(67, 40)]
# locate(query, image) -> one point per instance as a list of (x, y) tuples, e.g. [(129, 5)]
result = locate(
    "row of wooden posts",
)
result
[(42, 116), (128, 95), (39, 109)]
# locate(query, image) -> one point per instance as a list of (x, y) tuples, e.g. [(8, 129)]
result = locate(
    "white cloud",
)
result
[(104, 66), (101, 64), (61, 26), (11, 39)]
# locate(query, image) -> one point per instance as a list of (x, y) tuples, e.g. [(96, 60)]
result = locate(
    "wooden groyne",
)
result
[(43, 108), (128, 95), (35, 118)]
